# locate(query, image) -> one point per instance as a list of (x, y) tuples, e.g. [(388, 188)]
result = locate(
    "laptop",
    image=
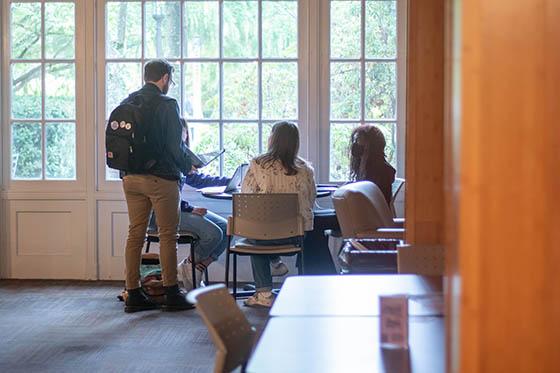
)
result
[(202, 160), (233, 185)]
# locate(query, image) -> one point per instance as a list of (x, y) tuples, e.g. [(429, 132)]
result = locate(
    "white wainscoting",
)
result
[(47, 239), (112, 226), (112, 223)]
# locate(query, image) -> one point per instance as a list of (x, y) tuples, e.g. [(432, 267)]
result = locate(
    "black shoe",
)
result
[(175, 299), (138, 301)]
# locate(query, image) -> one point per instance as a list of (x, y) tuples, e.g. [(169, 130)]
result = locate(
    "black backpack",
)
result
[(131, 143)]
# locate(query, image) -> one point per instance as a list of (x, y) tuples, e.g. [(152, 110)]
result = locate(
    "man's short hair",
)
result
[(156, 69)]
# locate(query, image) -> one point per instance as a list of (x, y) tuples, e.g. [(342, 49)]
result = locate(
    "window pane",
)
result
[(162, 29), (345, 90), (205, 137), (280, 90), (241, 144), (60, 91), (61, 151), (381, 29), (25, 30), (390, 132), (26, 90), (240, 28), (122, 79), (240, 90), (266, 129), (201, 90), (201, 29), (175, 89), (279, 29), (26, 151), (111, 174), (345, 29), (339, 155), (124, 29), (381, 90), (60, 30)]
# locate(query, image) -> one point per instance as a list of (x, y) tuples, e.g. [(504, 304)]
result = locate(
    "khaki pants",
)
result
[(144, 192)]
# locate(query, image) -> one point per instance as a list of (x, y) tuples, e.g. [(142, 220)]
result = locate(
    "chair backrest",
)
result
[(360, 208), (395, 189), (266, 216), (421, 259), (229, 329)]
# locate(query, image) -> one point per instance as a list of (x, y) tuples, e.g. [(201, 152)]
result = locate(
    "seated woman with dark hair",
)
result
[(368, 160), (279, 170)]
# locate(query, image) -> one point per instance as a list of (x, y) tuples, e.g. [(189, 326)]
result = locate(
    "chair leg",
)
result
[(301, 270), (206, 276), (193, 265), (227, 262), (147, 246), (235, 275)]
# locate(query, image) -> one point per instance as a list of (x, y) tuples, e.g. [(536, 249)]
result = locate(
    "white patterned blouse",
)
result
[(273, 179)]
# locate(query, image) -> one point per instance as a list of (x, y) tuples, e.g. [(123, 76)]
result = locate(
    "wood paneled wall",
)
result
[(509, 186), (424, 128)]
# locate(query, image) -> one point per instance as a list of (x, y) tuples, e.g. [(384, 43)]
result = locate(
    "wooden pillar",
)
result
[(424, 123), (508, 236)]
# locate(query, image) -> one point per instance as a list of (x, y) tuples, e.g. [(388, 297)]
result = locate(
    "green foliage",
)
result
[(26, 140), (201, 80), (61, 151)]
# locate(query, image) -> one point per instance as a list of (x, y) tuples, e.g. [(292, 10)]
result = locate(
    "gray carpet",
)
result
[(68, 326)]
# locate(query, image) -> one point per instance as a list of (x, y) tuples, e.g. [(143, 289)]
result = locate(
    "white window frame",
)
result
[(324, 82), (300, 59), (313, 88), (45, 185)]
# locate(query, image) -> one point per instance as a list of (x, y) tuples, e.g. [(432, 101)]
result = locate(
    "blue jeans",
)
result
[(261, 263), (211, 230)]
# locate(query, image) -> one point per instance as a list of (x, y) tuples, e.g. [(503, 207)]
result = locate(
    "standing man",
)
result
[(157, 187)]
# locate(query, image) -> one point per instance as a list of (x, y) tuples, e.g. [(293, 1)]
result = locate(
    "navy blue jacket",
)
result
[(197, 180), (168, 129)]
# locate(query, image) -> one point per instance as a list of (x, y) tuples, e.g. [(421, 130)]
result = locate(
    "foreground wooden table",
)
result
[(346, 344), (356, 295)]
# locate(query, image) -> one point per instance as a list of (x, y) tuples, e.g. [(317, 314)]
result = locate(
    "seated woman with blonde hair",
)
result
[(279, 170)]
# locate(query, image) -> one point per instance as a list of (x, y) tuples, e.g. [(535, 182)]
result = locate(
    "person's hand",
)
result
[(194, 170), (199, 211)]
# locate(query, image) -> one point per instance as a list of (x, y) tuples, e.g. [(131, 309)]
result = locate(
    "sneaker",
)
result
[(137, 301), (278, 268), (260, 299), (184, 271), (175, 299)]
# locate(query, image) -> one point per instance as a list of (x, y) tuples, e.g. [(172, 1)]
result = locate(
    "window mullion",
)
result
[(362, 61), (43, 122), (259, 75), (221, 81)]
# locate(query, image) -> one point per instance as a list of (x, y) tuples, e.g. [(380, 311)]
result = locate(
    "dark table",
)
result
[(322, 191)]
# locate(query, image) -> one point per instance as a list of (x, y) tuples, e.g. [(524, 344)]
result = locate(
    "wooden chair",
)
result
[(264, 217), (183, 238), (229, 329)]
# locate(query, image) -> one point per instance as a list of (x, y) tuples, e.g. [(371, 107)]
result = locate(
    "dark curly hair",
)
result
[(367, 145)]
